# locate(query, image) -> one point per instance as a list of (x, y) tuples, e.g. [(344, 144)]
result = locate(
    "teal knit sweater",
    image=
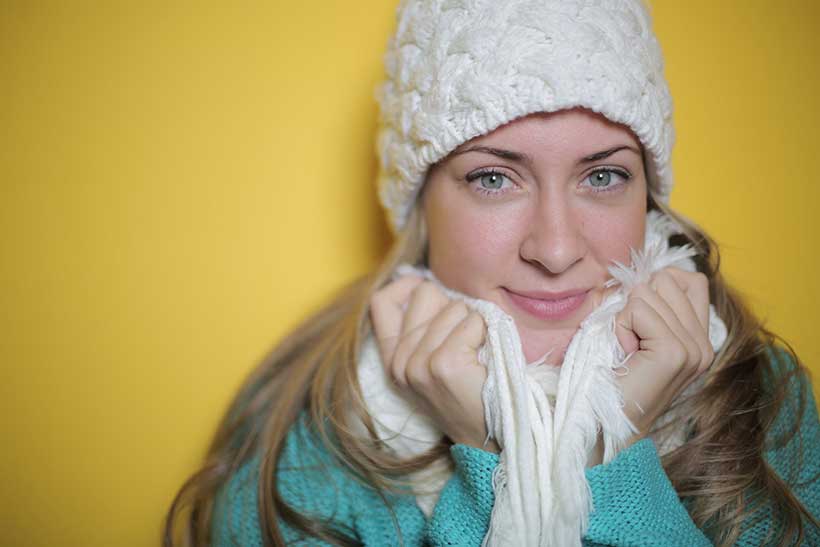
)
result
[(634, 502)]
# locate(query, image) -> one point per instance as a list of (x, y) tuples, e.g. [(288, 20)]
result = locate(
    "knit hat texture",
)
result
[(458, 69)]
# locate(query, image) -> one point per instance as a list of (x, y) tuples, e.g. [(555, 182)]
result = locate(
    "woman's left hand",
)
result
[(666, 324)]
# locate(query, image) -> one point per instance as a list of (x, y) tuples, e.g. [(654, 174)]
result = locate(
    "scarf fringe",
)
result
[(546, 419)]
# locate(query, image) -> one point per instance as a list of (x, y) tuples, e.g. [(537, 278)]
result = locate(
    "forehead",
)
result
[(562, 131)]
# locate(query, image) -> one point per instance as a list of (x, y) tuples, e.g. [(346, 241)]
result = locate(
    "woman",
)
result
[(525, 150)]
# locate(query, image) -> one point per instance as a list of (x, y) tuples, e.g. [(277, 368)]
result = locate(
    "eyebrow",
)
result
[(500, 152), (524, 158), (606, 153)]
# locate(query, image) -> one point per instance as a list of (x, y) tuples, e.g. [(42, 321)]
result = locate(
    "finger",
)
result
[(426, 301), (623, 331), (460, 348), (670, 290), (405, 355), (663, 381), (438, 330), (387, 309), (442, 326), (642, 320), (474, 331), (631, 326), (681, 335), (667, 286), (696, 287)]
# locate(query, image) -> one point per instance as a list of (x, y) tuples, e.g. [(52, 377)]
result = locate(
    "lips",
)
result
[(548, 306)]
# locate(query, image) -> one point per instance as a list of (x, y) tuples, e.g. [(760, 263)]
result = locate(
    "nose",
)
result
[(555, 239)]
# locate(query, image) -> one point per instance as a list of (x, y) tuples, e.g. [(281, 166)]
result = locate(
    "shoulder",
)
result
[(789, 388), (306, 478), (317, 486), (793, 435)]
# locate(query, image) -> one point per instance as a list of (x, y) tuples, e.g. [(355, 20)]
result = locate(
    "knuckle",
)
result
[(440, 361), (474, 329), (402, 353), (707, 357), (664, 276), (671, 283), (416, 375), (701, 281), (637, 304), (694, 359), (700, 278), (475, 320), (426, 289), (398, 376), (694, 279), (418, 291), (455, 308), (640, 292), (678, 354), (709, 354)]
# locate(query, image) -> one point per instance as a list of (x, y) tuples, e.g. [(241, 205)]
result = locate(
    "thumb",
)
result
[(623, 321), (625, 333)]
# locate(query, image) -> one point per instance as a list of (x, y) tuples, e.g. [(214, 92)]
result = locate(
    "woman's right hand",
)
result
[(429, 346), (665, 326)]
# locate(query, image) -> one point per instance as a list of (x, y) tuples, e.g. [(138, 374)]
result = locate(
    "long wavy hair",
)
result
[(720, 471)]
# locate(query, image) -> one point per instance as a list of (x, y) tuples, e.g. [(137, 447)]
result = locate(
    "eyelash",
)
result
[(625, 175), (485, 173), (610, 188)]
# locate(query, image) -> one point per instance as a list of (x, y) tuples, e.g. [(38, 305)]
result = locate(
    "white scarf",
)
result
[(546, 419)]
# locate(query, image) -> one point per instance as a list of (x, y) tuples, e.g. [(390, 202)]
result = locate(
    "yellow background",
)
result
[(179, 184)]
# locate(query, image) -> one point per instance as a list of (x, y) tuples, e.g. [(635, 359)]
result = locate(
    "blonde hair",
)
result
[(313, 370)]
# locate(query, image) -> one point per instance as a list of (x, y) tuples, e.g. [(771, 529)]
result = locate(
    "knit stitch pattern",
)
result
[(462, 515), (546, 419), (634, 502), (457, 69)]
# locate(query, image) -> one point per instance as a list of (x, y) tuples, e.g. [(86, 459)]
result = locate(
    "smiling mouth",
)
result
[(548, 306)]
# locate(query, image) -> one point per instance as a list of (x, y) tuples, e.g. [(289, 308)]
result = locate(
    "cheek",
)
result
[(611, 236), (469, 248)]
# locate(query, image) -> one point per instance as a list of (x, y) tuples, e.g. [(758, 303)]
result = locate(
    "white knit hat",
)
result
[(457, 69)]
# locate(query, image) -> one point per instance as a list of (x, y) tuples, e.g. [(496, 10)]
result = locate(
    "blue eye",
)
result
[(492, 181), (607, 178), (600, 178)]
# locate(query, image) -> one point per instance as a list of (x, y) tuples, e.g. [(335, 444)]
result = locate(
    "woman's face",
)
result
[(531, 215)]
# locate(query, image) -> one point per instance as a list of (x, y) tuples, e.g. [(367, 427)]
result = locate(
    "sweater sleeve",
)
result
[(636, 505), (634, 501), (462, 514)]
